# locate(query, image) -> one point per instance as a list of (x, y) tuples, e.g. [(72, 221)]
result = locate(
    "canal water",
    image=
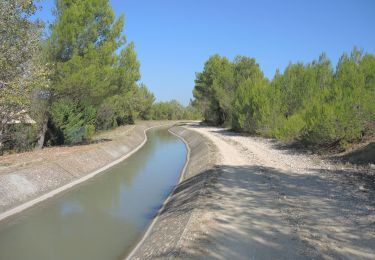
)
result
[(104, 217)]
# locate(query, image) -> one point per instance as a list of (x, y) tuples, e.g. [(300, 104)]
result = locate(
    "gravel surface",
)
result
[(271, 202), (241, 197)]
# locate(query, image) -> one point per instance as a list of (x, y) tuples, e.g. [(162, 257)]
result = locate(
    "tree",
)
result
[(83, 42), (21, 70), (127, 71), (213, 91), (312, 102), (251, 105), (367, 66), (250, 95), (216, 85), (76, 121), (173, 110), (87, 69), (145, 99)]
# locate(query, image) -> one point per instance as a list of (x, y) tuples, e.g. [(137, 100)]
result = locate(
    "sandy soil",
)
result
[(269, 202)]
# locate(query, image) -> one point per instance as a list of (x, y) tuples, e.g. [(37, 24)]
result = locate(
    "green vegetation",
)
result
[(173, 110), (85, 77), (311, 103), (92, 86), (81, 78), (21, 68)]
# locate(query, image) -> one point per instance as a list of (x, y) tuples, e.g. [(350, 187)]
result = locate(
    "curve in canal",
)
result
[(104, 217)]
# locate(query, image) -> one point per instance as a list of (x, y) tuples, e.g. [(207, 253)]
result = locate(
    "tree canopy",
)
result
[(313, 103), (82, 77), (21, 66)]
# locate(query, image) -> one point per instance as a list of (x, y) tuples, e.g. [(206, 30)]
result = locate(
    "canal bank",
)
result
[(184, 210), (262, 200), (175, 224), (102, 217), (28, 178)]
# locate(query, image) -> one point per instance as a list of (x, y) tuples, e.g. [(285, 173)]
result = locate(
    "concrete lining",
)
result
[(163, 238), (71, 171), (171, 228)]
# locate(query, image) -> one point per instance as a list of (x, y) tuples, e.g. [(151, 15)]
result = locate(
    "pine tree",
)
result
[(84, 39), (87, 70)]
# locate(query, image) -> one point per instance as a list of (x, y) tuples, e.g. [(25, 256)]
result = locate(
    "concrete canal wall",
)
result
[(28, 178), (181, 212)]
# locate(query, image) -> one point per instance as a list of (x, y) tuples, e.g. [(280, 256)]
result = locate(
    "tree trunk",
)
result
[(42, 133)]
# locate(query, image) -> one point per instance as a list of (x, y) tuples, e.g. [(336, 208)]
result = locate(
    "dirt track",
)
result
[(272, 203), (243, 197)]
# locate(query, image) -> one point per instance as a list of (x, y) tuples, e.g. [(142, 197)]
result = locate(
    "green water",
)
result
[(104, 217)]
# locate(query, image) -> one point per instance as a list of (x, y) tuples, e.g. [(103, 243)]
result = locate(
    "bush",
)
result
[(75, 121), (251, 105), (20, 138), (290, 128), (106, 116)]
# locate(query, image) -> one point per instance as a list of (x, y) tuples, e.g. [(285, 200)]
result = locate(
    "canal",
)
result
[(104, 217)]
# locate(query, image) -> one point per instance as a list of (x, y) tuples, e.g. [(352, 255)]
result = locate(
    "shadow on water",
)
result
[(265, 213)]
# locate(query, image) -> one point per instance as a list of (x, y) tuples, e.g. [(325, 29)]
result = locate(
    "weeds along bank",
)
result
[(314, 103)]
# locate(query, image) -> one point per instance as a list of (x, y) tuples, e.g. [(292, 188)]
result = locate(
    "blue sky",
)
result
[(174, 38)]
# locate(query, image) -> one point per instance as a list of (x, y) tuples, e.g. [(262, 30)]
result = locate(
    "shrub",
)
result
[(20, 138), (76, 121), (290, 128)]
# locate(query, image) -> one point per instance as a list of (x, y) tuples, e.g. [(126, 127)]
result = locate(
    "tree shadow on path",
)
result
[(255, 212)]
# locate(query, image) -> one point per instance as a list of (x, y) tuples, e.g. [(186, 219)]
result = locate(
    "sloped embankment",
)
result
[(182, 210), (30, 176)]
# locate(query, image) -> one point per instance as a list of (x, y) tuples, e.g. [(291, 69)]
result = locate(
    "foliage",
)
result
[(250, 103), (82, 45), (75, 121), (173, 110), (84, 76), (214, 88), (94, 67), (125, 109), (191, 113), (312, 103), (145, 99), (21, 70), (20, 137), (216, 85)]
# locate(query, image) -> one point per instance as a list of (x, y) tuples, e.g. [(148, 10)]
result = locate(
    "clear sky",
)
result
[(174, 38)]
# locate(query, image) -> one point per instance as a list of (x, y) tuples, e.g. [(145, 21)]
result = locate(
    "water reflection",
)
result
[(102, 218), (69, 208)]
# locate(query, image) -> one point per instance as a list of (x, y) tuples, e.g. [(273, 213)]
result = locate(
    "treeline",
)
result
[(82, 77), (173, 110), (311, 103)]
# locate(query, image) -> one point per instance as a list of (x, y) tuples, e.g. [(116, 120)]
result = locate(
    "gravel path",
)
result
[(269, 202)]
